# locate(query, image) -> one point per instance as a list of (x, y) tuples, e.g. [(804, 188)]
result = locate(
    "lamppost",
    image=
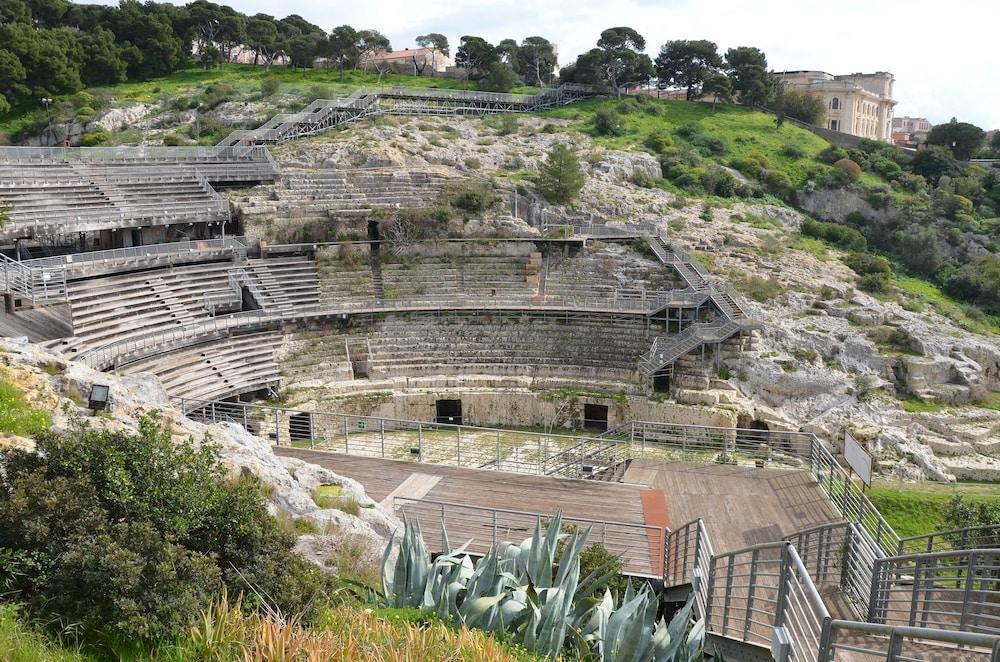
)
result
[(48, 115)]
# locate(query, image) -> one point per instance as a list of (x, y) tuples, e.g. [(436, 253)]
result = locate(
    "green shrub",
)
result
[(474, 196), (709, 145), (321, 92), (873, 283), (658, 141), (269, 86), (852, 169), (865, 263), (509, 124), (85, 113), (171, 140), (778, 183), (793, 152), (643, 179), (832, 154), (98, 136), (839, 235), (134, 534), (608, 122), (17, 416)]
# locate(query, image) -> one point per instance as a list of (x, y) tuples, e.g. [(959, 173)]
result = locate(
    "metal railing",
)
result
[(640, 546), (949, 590), (37, 284), (113, 256), (130, 154), (762, 593), (687, 559), (540, 453), (968, 538), (848, 498), (869, 641), (769, 595), (843, 556)]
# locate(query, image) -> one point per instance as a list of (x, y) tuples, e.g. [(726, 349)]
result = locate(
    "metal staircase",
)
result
[(736, 316), (324, 114)]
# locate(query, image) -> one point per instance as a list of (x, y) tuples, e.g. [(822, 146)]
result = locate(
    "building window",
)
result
[(835, 103), (835, 125)]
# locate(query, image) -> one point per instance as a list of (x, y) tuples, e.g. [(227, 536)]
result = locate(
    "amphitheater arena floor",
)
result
[(740, 505)]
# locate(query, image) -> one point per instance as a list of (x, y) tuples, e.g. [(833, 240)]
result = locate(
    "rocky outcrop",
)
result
[(60, 386), (835, 204), (117, 119)]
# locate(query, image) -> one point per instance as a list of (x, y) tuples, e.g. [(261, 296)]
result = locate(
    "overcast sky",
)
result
[(944, 53)]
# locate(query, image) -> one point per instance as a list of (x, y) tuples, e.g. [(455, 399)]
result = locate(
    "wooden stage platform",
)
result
[(488, 506), (741, 506)]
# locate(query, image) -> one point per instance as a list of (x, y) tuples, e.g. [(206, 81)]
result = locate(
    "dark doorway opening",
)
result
[(300, 426), (595, 417), (373, 233), (661, 383), (449, 411)]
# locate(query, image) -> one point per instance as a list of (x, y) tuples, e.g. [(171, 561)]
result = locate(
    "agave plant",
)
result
[(524, 594)]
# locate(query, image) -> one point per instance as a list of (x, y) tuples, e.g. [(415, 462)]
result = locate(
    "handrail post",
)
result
[(381, 430), (779, 603)]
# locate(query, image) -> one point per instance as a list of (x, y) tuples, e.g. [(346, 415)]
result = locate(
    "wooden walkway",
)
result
[(490, 506), (741, 506)]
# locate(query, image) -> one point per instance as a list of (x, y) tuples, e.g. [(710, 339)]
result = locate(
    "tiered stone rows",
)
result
[(320, 194), (469, 277), (509, 346), (121, 306), (286, 284), (62, 199), (603, 271), (218, 369)]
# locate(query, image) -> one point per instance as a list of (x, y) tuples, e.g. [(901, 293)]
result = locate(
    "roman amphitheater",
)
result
[(510, 368)]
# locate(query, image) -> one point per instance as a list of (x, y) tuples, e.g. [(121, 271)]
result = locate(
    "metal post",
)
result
[(312, 432), (494, 527), (498, 451), (346, 449), (540, 459), (245, 426), (420, 442), (381, 432), (779, 604), (458, 444), (277, 427)]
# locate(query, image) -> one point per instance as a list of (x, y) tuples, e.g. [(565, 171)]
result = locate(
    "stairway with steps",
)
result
[(733, 312)]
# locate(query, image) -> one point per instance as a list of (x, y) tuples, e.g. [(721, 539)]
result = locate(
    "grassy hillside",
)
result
[(245, 80), (917, 508), (745, 133)]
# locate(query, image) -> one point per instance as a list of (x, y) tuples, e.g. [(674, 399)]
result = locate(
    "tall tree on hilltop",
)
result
[(621, 58), (263, 39), (719, 86), (344, 48), (475, 55), (370, 44), (509, 53), (962, 138), (437, 44), (752, 83), (537, 57), (687, 63)]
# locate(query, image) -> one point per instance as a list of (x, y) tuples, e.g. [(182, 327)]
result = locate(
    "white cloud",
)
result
[(943, 54)]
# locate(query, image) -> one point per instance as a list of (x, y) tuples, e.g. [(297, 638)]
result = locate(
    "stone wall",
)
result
[(564, 409)]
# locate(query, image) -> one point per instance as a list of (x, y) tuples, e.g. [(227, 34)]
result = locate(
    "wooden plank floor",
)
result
[(741, 506), (474, 491)]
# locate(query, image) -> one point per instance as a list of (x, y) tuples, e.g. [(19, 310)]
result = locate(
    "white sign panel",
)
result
[(858, 457)]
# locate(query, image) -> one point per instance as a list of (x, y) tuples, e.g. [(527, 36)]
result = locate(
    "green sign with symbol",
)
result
[(362, 425)]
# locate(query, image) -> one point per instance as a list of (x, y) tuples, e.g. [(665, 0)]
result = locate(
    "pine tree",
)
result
[(560, 178)]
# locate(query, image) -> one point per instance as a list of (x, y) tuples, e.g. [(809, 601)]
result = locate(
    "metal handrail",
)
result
[(968, 537), (632, 541), (888, 642)]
